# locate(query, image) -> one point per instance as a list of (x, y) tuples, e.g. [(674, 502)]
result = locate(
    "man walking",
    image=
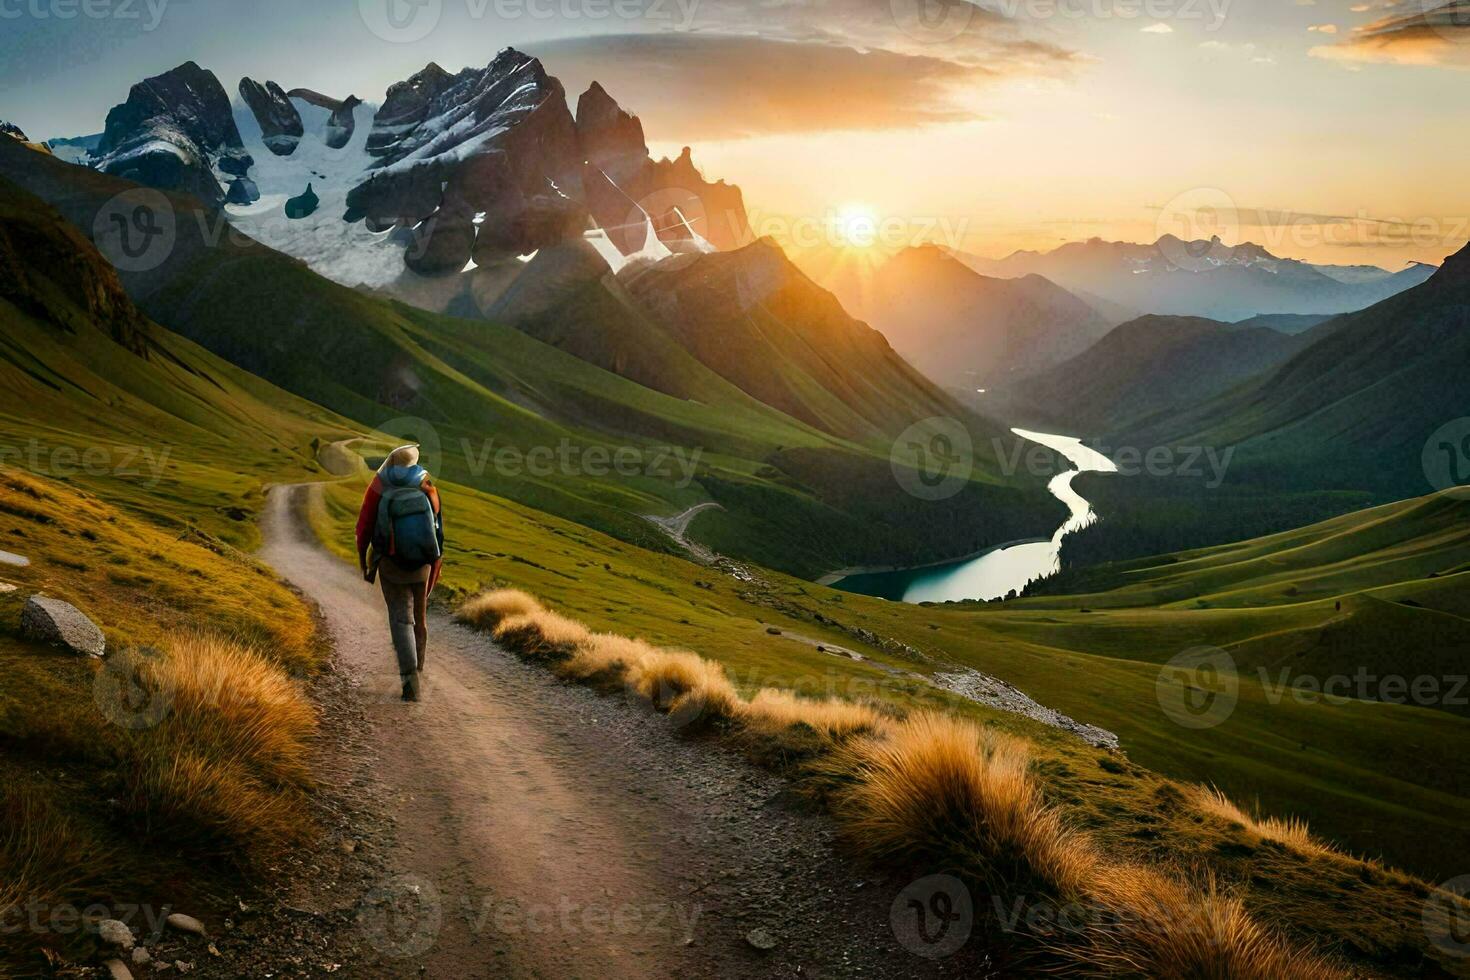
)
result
[(400, 541)]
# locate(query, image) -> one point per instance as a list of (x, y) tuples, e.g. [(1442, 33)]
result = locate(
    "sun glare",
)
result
[(855, 226)]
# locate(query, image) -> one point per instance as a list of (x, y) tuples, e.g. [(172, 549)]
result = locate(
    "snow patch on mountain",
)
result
[(346, 253)]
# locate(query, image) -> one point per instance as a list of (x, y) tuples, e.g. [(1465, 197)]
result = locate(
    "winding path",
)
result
[(549, 831)]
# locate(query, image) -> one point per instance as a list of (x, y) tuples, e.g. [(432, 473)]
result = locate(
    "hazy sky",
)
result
[(1333, 130)]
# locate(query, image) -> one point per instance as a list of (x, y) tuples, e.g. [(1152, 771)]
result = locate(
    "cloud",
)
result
[(703, 87), (1158, 28), (1323, 28), (1434, 35)]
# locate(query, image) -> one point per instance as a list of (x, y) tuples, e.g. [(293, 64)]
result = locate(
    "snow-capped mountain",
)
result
[(451, 175), (1202, 278)]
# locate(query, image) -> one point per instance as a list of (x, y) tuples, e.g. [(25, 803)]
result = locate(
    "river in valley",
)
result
[(998, 571)]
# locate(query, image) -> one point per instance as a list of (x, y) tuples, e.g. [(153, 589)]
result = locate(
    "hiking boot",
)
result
[(410, 687)]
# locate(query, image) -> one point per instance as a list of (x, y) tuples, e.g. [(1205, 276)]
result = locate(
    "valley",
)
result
[(1152, 565)]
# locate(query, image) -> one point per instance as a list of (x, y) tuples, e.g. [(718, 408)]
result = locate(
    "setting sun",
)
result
[(855, 225)]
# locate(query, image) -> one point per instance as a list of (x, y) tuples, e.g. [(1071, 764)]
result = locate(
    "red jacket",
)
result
[(367, 523)]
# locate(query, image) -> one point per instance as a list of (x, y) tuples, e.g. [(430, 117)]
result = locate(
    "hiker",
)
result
[(400, 541)]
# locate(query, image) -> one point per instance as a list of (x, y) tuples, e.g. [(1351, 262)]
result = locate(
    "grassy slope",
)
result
[(1340, 426), (1385, 787), (152, 555)]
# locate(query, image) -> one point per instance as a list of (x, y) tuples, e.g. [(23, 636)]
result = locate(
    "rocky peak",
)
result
[(280, 123), (176, 131), (405, 107), (611, 139), (13, 131), (1455, 270)]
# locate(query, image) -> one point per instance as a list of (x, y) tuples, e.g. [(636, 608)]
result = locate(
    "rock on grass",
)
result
[(58, 623)]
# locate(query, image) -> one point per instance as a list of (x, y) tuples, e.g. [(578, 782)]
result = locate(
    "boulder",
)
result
[(242, 191), (61, 624), (342, 123), (303, 206)]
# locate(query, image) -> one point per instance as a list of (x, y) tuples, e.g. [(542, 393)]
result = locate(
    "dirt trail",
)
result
[(545, 830)]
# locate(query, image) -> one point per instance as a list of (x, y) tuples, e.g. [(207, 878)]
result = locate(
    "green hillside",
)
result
[(1153, 365), (1342, 425)]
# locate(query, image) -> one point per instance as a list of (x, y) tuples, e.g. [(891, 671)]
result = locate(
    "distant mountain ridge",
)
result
[(971, 331), (1204, 278), (1156, 364)]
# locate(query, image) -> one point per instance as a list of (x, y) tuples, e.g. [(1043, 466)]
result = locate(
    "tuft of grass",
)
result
[(939, 787), (226, 765), (1290, 832), (771, 711)]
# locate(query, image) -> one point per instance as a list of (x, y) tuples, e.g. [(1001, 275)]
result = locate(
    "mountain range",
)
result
[(1203, 278), (453, 172), (966, 330)]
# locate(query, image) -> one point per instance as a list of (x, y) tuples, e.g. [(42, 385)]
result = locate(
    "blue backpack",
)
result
[(407, 529)]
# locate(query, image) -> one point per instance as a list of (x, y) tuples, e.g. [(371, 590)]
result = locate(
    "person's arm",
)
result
[(367, 521), (433, 494)]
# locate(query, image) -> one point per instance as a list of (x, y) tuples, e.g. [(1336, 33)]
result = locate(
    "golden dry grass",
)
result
[(936, 786), (218, 743), (770, 711), (1290, 832)]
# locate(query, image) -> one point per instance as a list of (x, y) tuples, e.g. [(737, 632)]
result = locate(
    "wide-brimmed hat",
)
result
[(403, 456)]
